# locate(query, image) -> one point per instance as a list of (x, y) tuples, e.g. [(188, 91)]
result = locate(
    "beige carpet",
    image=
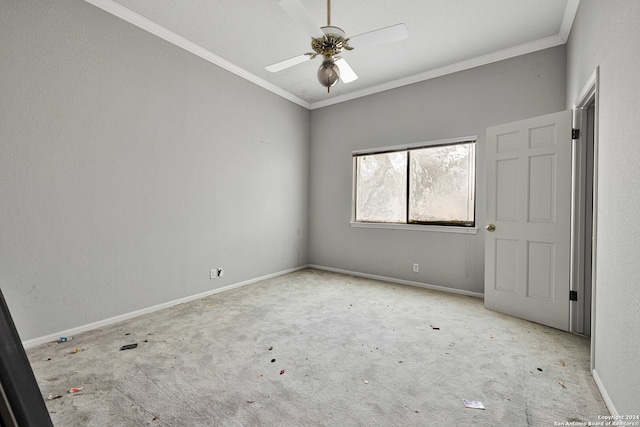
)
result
[(314, 348)]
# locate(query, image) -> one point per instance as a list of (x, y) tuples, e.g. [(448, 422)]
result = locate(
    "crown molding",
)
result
[(146, 24), (140, 21), (567, 20), (500, 55)]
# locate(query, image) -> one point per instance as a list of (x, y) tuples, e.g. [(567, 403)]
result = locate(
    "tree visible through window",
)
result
[(422, 185)]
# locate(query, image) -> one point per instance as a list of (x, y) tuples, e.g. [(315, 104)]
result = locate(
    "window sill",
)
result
[(417, 227)]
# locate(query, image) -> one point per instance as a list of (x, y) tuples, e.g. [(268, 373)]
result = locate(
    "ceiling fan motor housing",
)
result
[(331, 44)]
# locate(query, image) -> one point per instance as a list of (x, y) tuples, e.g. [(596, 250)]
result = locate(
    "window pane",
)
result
[(442, 184), (381, 187)]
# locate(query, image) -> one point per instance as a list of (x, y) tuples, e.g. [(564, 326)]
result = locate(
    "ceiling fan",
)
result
[(329, 41)]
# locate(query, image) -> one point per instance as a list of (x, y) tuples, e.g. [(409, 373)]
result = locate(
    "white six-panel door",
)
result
[(527, 255)]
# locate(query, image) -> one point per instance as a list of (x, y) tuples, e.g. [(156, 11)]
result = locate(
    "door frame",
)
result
[(587, 97)]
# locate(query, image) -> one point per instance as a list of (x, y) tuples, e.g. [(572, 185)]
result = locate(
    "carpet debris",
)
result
[(562, 384), (273, 360), (128, 346), (562, 362), (539, 369), (435, 328), (366, 382), (76, 390), (251, 401), (282, 372), (64, 339), (474, 404), (52, 397), (270, 348)]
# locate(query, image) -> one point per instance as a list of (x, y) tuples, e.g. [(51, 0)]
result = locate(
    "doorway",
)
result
[(583, 223), (584, 201)]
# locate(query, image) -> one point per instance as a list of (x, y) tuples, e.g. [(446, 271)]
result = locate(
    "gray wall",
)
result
[(129, 168), (606, 34), (456, 105)]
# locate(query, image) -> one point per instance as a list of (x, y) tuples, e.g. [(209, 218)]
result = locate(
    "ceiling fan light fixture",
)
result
[(328, 73), (329, 42)]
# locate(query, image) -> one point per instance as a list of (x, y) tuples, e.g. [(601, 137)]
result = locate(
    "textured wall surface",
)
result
[(606, 35), (129, 168), (457, 105)]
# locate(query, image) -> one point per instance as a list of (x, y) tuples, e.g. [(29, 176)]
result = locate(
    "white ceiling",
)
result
[(445, 36)]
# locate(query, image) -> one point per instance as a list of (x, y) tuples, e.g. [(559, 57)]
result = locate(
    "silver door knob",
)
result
[(491, 227)]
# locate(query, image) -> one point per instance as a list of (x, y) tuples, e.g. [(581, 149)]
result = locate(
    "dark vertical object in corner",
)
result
[(21, 402)]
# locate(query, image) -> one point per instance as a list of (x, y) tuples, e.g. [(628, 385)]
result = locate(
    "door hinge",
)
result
[(575, 133), (573, 296)]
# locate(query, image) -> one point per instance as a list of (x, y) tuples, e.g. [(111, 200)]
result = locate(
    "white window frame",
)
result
[(408, 227)]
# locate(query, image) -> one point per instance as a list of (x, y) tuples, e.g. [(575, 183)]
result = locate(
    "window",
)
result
[(430, 183)]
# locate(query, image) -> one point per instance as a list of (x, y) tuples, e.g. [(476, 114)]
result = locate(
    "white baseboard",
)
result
[(605, 395), (131, 315), (399, 281)]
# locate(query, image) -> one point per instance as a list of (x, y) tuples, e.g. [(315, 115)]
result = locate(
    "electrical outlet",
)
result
[(213, 274), (416, 268), (220, 272)]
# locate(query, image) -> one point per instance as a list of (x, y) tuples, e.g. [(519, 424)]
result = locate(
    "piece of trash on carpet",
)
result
[(273, 360), (76, 390), (436, 328), (52, 397), (282, 372), (474, 404), (64, 339), (562, 384), (539, 369), (366, 382), (562, 362), (128, 346), (270, 348), (251, 401)]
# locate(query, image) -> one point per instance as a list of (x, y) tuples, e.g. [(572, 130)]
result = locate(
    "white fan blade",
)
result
[(302, 16), (288, 63), (347, 75), (393, 33)]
